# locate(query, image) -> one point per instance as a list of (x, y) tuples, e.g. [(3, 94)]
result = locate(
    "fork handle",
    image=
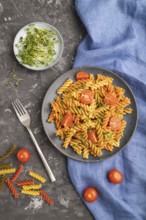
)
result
[(52, 178)]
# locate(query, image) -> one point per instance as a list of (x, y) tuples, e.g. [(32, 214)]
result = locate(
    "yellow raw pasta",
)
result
[(30, 192), (7, 171), (33, 186), (37, 176)]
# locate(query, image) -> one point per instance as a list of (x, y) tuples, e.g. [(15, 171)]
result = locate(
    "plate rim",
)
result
[(82, 159), (62, 46)]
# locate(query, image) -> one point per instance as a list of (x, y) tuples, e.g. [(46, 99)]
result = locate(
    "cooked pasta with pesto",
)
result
[(89, 114)]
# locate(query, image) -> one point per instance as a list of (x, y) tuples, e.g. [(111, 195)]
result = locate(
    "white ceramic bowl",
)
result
[(59, 46)]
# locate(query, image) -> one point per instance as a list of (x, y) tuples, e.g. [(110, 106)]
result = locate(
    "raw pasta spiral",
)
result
[(12, 188), (8, 153), (30, 192), (25, 182), (46, 197), (33, 186), (5, 165), (17, 173), (7, 171), (37, 176), (89, 114), (2, 181)]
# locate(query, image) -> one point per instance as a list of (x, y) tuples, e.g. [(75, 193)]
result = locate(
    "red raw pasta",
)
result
[(17, 173), (25, 182), (46, 197), (12, 188)]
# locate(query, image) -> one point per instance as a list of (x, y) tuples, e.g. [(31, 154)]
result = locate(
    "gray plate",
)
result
[(50, 127)]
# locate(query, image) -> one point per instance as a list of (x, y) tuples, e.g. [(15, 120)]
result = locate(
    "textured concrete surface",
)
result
[(14, 14)]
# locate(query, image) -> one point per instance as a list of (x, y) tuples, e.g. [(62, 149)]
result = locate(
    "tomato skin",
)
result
[(68, 120), (115, 176), (110, 99), (82, 75), (23, 155), (87, 97), (90, 194), (92, 136), (115, 123)]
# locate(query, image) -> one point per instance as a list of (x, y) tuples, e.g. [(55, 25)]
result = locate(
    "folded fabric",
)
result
[(116, 39)]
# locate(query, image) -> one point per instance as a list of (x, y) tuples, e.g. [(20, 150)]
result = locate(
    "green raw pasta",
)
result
[(2, 181), (8, 153), (5, 165)]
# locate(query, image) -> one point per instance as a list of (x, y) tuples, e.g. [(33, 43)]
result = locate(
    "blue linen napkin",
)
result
[(116, 39)]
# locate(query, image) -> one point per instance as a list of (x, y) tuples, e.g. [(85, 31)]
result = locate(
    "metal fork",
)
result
[(25, 120)]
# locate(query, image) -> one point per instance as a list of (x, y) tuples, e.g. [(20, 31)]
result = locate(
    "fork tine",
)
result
[(16, 111), (18, 108), (21, 106)]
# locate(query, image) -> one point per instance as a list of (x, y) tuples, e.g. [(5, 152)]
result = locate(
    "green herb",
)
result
[(9, 82), (61, 118), (38, 47), (84, 86), (107, 135), (99, 120), (31, 25), (86, 119), (82, 138), (14, 80)]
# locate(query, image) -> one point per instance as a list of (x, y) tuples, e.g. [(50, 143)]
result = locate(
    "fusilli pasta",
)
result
[(30, 192), (25, 183), (8, 153), (33, 186), (46, 197), (12, 188), (95, 109), (37, 176), (17, 173)]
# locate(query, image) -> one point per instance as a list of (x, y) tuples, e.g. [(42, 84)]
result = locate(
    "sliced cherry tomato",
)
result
[(115, 123), (92, 136), (68, 120), (82, 75), (110, 99), (90, 194), (87, 97), (23, 155), (115, 176)]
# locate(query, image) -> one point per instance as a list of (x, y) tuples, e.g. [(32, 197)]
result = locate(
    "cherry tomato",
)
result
[(110, 99), (115, 176), (92, 136), (115, 123), (90, 194), (82, 75), (23, 155), (87, 97), (68, 120)]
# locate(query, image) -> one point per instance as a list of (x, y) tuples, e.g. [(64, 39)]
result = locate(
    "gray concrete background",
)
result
[(14, 14)]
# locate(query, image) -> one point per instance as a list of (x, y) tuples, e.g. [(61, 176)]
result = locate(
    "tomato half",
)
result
[(23, 155), (90, 194), (110, 99), (68, 120), (82, 75), (115, 176), (92, 136), (115, 123), (87, 97)]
